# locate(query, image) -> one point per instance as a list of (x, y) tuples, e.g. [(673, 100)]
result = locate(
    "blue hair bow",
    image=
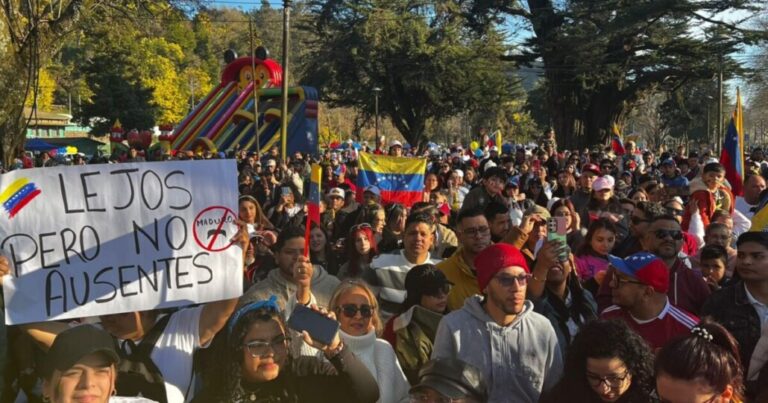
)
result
[(270, 304)]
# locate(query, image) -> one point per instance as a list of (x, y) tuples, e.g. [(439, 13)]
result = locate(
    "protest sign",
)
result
[(104, 239)]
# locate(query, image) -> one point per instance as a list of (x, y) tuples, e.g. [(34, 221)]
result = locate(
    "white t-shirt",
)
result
[(174, 350)]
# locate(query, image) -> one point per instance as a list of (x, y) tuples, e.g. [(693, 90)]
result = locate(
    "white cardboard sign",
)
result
[(104, 239)]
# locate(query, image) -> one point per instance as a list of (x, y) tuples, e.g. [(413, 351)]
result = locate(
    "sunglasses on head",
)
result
[(675, 234), (351, 310)]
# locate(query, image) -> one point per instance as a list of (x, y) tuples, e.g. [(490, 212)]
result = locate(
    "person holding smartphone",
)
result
[(258, 365)]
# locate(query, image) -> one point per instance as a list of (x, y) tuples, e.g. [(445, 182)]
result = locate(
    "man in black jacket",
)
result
[(743, 307)]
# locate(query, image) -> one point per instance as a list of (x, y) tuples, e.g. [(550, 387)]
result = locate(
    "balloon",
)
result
[(473, 145), (478, 153)]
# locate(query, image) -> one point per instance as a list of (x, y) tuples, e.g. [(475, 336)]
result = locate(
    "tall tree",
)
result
[(426, 64), (599, 56)]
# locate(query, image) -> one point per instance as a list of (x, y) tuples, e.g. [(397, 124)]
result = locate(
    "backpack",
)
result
[(137, 374)]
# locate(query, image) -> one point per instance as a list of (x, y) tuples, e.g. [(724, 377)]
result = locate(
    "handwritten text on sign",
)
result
[(104, 239)]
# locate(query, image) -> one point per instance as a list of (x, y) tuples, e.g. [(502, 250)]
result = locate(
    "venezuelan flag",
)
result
[(732, 156), (17, 195), (400, 179), (616, 144), (313, 201)]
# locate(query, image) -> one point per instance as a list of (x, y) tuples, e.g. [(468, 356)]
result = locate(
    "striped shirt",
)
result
[(387, 280), (671, 323)]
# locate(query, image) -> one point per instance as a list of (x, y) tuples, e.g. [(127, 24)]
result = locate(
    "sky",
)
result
[(518, 31)]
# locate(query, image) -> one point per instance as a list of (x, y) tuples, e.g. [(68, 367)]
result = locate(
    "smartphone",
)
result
[(320, 327), (251, 230), (557, 230)]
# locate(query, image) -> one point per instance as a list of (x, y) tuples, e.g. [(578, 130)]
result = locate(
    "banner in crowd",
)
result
[(400, 179), (732, 155), (104, 239)]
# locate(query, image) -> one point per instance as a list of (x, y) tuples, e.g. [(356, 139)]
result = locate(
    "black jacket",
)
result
[(307, 379), (730, 307)]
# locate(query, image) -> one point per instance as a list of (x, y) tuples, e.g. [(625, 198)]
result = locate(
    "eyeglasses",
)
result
[(350, 310), (675, 234), (508, 281), (617, 281), (260, 348), (478, 231), (613, 381), (425, 398)]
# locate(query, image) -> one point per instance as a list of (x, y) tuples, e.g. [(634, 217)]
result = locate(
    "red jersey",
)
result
[(672, 322)]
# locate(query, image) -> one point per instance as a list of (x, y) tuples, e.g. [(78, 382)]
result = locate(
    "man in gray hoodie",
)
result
[(280, 282), (515, 348)]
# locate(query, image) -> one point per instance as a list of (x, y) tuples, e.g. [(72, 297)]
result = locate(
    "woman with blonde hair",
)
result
[(81, 365), (356, 309)]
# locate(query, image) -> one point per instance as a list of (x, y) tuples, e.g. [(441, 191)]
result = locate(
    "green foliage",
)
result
[(117, 94), (599, 57), (426, 64)]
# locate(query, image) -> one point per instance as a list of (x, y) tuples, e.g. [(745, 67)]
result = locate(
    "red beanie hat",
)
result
[(494, 258)]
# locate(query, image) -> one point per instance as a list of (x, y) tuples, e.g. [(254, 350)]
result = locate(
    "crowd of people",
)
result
[(655, 291)]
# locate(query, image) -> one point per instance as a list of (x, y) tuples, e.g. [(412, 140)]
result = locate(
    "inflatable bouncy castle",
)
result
[(225, 119)]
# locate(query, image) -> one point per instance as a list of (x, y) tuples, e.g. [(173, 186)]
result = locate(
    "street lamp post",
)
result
[(284, 109), (376, 91)]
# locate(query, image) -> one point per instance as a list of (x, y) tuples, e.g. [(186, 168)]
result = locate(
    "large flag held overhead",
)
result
[(616, 144), (400, 179), (732, 156)]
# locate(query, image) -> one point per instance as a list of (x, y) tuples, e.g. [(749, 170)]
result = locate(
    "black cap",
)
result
[(73, 344), (452, 378)]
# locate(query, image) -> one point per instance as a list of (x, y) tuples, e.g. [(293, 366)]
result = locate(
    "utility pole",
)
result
[(255, 90), (376, 91), (709, 132), (284, 109), (719, 107)]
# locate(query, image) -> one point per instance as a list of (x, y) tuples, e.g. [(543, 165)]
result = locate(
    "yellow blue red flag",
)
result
[(313, 201), (732, 156), (400, 179)]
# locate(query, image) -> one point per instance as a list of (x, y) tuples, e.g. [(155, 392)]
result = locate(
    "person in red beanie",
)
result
[(514, 347), (639, 287)]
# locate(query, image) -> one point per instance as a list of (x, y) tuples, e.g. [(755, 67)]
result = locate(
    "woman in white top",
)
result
[(357, 312)]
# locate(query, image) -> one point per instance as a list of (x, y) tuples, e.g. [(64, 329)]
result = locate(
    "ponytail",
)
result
[(709, 353)]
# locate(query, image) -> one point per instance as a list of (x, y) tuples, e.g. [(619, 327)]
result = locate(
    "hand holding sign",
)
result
[(5, 268)]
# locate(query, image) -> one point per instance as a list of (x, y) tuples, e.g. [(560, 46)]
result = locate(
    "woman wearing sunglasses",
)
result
[(412, 332), (257, 365), (703, 367), (607, 362), (355, 307)]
